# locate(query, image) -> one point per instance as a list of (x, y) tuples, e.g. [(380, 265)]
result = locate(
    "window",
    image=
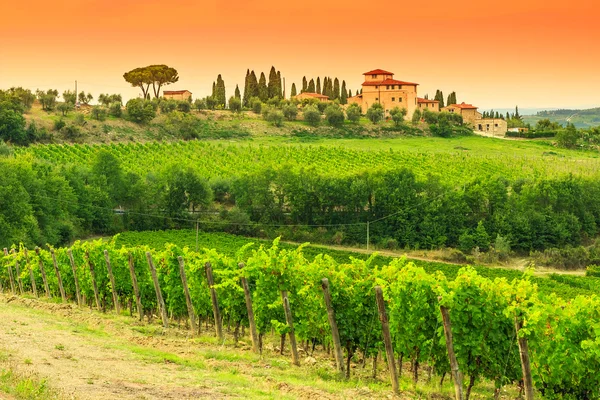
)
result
[(393, 99), (400, 87), (376, 87), (376, 98), (393, 87), (387, 87), (374, 76), (496, 125), (400, 99), (480, 128)]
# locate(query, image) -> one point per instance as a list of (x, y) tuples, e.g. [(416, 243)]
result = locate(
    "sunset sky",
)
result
[(494, 54)]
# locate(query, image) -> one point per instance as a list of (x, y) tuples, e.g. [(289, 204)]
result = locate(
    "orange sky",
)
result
[(494, 54)]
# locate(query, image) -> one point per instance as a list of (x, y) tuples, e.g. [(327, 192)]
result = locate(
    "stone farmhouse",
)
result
[(177, 94), (380, 87)]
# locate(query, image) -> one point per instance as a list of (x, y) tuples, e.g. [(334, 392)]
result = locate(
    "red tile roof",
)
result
[(175, 91), (464, 106), (388, 82), (378, 72), (420, 100)]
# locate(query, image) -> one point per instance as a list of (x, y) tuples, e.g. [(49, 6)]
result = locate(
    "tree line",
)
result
[(42, 204)]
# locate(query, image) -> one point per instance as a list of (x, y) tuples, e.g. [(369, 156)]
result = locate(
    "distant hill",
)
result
[(580, 118)]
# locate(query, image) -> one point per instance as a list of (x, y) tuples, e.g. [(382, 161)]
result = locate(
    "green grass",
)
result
[(23, 385)]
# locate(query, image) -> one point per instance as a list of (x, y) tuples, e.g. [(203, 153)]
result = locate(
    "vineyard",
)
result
[(506, 331), (213, 160)]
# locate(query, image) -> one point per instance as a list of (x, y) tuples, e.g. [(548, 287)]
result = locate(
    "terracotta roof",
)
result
[(378, 72), (388, 82), (175, 91), (321, 96), (420, 100), (464, 106)]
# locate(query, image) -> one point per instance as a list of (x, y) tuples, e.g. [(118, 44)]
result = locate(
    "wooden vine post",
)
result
[(60, 282), (339, 354), (387, 339), (290, 322), (136, 289), (456, 375), (93, 274), (10, 275), (75, 278), (525, 363), (18, 270), (251, 321), (215, 302), (159, 297), (43, 271), (112, 282), (31, 277), (188, 298)]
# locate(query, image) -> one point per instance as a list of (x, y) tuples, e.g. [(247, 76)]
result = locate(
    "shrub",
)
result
[(98, 113), (290, 112), (568, 137), (211, 102), (115, 110), (274, 102), (184, 106), (311, 115), (273, 116), (166, 106), (79, 120), (140, 110), (256, 105), (334, 115), (416, 117), (375, 113), (321, 106), (398, 115), (200, 104), (593, 270), (235, 105), (71, 132), (59, 124), (353, 112)]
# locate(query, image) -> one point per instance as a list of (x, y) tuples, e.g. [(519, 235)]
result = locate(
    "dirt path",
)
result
[(86, 365)]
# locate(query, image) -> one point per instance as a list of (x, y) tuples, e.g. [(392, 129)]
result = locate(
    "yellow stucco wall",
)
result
[(495, 126), (177, 96)]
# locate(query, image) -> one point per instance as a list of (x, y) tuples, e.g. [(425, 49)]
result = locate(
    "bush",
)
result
[(321, 106), (79, 120), (398, 115), (235, 105), (140, 110), (166, 106), (273, 116), (274, 102), (200, 104), (115, 110), (416, 117), (211, 102), (59, 124), (430, 117), (98, 113), (311, 115), (256, 105), (375, 113), (184, 106), (568, 137), (71, 132), (334, 115), (593, 270), (442, 128), (353, 112), (290, 112)]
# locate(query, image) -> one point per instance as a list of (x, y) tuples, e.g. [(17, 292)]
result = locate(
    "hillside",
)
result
[(580, 118)]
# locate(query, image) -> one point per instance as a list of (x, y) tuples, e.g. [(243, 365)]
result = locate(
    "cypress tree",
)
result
[(336, 89), (452, 98), (237, 92), (507, 116), (517, 116), (349, 93), (311, 86), (344, 95), (252, 87), (272, 88), (246, 89), (214, 89), (220, 92), (318, 89), (263, 91), (293, 92), (439, 96), (497, 114), (304, 84)]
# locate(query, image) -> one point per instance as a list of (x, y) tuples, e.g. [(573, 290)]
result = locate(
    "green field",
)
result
[(563, 286)]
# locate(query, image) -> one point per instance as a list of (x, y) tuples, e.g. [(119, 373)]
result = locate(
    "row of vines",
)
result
[(283, 292)]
